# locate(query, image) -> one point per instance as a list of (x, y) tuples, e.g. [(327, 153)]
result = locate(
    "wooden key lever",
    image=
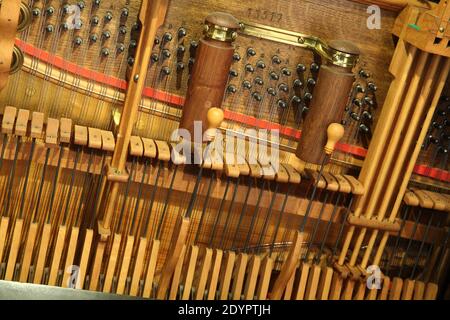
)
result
[(335, 132)]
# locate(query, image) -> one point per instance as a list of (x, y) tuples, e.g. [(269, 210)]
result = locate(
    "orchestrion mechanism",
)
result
[(243, 150)]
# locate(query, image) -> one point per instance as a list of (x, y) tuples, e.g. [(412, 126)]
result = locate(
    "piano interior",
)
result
[(226, 150)]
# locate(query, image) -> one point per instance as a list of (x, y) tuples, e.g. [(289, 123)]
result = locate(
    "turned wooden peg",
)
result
[(335, 132), (214, 117)]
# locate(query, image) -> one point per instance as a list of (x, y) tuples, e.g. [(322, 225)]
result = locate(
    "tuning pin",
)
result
[(95, 20), (308, 96), (181, 32), (296, 100), (97, 3), (367, 115), (78, 41), (191, 64), (193, 44), (283, 87), (298, 83), (301, 68), (433, 140), (49, 28), (234, 73), (281, 103), (251, 52), (274, 76), (259, 81), (36, 12), (305, 110), (236, 57), (311, 82), (130, 61), (276, 59), (257, 96), (181, 49), (372, 87), (154, 57), (249, 68), (364, 74), (167, 37), (314, 67), (49, 10), (106, 34), (180, 66), (81, 5), (93, 37), (165, 53), (64, 26), (108, 16), (368, 100), (133, 44), (156, 41), (105, 52), (231, 89), (123, 29), (437, 125), (364, 128), (286, 72), (271, 91), (355, 116), (124, 12), (260, 64), (165, 70), (357, 102), (66, 9), (246, 84), (193, 47), (359, 88), (120, 47)]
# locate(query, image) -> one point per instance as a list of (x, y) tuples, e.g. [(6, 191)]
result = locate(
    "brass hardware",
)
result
[(17, 60), (309, 42), (24, 17), (219, 33)]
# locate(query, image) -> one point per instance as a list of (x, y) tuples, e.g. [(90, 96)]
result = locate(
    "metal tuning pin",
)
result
[(260, 64), (108, 16), (165, 70), (271, 91), (274, 76), (257, 96), (276, 60), (233, 73), (167, 37), (259, 81), (249, 68), (246, 84), (251, 52), (282, 104), (124, 13), (286, 72), (181, 33), (298, 83), (301, 68), (314, 67), (231, 89), (283, 87), (166, 53), (236, 57)]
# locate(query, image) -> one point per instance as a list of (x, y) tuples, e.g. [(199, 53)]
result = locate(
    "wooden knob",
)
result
[(335, 132), (215, 117)]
